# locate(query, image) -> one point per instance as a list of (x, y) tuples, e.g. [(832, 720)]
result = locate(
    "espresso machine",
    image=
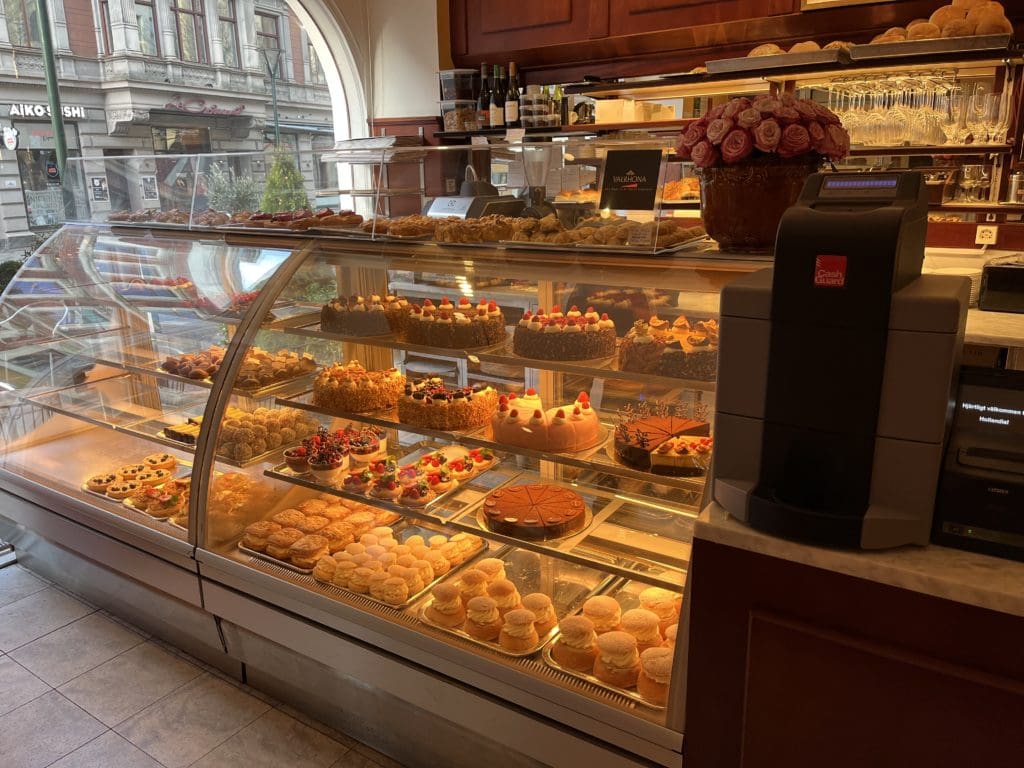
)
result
[(836, 370)]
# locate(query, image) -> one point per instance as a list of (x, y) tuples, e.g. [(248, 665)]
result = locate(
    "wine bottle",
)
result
[(483, 100), (512, 97), (497, 107)]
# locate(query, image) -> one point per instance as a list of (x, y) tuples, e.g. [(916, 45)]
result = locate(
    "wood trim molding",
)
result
[(393, 121)]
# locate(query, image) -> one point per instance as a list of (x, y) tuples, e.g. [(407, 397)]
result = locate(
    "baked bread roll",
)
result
[(992, 23), (768, 49), (926, 31), (976, 11), (915, 22), (958, 28), (808, 46), (946, 14), (838, 45), (968, 4), (886, 37)]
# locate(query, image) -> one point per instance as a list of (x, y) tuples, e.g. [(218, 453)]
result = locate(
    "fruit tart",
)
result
[(417, 495), (482, 458), (461, 469), (387, 487), (358, 481), (441, 481)]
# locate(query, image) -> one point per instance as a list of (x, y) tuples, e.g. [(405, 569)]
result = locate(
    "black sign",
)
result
[(630, 180), (99, 188), (52, 174)]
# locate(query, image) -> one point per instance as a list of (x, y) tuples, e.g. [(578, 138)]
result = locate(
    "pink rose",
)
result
[(825, 115), (787, 99), (682, 151), (694, 132), (806, 110), (718, 128), (748, 118), (768, 106), (715, 113), (787, 115), (795, 141), (817, 134), (767, 135), (704, 155), (736, 145), (840, 139), (735, 106)]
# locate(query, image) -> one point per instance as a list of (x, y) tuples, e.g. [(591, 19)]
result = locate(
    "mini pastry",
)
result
[(338, 535), (334, 512), (382, 531), (437, 541), (122, 489), (361, 521), (358, 482), (395, 591), (655, 675), (643, 625), (472, 584), (604, 611), (543, 612), (100, 483), (438, 563), (413, 580), (492, 568), (315, 506), (160, 461), (362, 559), (483, 620), (289, 518), (402, 549), (618, 661), (360, 580), (420, 551), (312, 523), (343, 573), (279, 542), (440, 481), (414, 541), (416, 495), (255, 536), (505, 595), (670, 635), (387, 488), (466, 542), (576, 647), (389, 543), (375, 551), (131, 471), (387, 560), (426, 572), (324, 569), (369, 540), (446, 609), (662, 602), (519, 632), (453, 553), (355, 548), (406, 561), (306, 551), (376, 584)]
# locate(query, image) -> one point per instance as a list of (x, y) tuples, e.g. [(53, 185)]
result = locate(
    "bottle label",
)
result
[(511, 111), (497, 117)]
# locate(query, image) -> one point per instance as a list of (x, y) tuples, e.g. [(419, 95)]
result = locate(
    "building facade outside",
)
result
[(151, 78)]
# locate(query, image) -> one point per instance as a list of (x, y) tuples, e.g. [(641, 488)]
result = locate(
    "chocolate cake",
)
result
[(678, 350), (638, 439), (535, 512), (355, 316), (570, 336), (429, 403), (452, 326)]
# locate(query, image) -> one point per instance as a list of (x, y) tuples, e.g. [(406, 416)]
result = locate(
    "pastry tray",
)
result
[(128, 503), (495, 645), (997, 44), (757, 64), (85, 489), (629, 693)]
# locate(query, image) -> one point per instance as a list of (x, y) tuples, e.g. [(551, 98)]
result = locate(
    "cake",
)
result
[(536, 512), (625, 307), (353, 389), (429, 403), (661, 444), (570, 336), (677, 349), (521, 420), (453, 326), (261, 368), (355, 316)]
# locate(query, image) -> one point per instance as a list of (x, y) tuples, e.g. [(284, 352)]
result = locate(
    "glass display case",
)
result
[(366, 430)]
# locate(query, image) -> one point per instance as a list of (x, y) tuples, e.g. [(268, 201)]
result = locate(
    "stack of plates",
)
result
[(972, 272)]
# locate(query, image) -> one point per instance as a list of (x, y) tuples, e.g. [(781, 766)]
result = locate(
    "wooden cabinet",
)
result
[(796, 666), (483, 27), (630, 17)]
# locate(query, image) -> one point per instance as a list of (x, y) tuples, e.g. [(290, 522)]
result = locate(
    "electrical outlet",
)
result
[(986, 235)]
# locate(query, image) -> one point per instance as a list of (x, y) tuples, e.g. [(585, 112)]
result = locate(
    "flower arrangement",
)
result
[(745, 130)]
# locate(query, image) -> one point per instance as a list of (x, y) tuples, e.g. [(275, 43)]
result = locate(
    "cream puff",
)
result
[(360, 580), (413, 580), (643, 625), (343, 573), (543, 612), (453, 553), (576, 647), (492, 567), (604, 611), (406, 561), (519, 632), (655, 675), (483, 620), (618, 662), (662, 602), (376, 582), (426, 572), (472, 584), (670, 635), (414, 541), (437, 541), (382, 531), (324, 569), (369, 539), (395, 591), (446, 609), (505, 595), (438, 562)]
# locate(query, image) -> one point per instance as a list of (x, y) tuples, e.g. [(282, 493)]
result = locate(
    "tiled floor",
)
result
[(81, 689)]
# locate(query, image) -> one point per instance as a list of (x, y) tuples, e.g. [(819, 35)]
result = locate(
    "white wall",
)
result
[(403, 41)]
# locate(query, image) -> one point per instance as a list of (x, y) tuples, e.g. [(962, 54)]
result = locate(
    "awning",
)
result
[(287, 125)]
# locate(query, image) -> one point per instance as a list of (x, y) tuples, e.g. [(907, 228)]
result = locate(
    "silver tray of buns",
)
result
[(757, 64), (273, 560), (627, 600), (567, 596)]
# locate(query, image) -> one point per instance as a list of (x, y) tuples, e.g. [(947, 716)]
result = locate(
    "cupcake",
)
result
[(604, 611), (543, 612), (505, 595), (643, 625), (618, 662), (519, 632), (446, 609), (662, 602), (655, 675), (576, 647), (483, 620)]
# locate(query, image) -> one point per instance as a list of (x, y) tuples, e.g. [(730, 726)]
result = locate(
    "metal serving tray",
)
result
[(998, 44)]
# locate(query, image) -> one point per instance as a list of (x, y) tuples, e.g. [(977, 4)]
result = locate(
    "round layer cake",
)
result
[(535, 512), (569, 336), (355, 316), (639, 444), (521, 420), (453, 326), (678, 349), (353, 389), (429, 403)]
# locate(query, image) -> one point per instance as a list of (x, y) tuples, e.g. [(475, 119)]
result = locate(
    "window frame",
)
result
[(151, 4), (317, 76), (104, 9), (198, 21), (261, 36), (235, 42), (29, 30)]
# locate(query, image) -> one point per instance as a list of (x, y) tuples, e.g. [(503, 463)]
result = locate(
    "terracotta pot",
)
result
[(742, 204)]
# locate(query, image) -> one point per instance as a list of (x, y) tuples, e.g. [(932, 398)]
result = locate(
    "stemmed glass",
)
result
[(978, 114), (954, 117)]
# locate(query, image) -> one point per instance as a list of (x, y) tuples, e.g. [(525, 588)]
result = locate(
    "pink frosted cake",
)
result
[(522, 420)]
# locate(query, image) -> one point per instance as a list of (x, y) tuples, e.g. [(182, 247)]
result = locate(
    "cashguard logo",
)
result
[(830, 271)]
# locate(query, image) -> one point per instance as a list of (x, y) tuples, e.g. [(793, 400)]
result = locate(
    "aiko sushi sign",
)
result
[(43, 110)]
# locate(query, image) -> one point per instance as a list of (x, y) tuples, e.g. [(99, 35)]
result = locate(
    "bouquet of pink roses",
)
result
[(768, 126)]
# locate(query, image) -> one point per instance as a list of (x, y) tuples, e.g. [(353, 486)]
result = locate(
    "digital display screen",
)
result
[(867, 182), (991, 416)]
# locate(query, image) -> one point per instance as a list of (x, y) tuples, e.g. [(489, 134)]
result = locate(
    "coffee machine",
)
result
[(836, 369)]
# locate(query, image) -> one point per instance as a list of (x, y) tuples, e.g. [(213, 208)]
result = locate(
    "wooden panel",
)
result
[(905, 708), (498, 27), (630, 17), (524, 14), (730, 587)]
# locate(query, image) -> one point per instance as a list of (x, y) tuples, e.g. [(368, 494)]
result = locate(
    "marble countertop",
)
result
[(998, 329), (952, 574)]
